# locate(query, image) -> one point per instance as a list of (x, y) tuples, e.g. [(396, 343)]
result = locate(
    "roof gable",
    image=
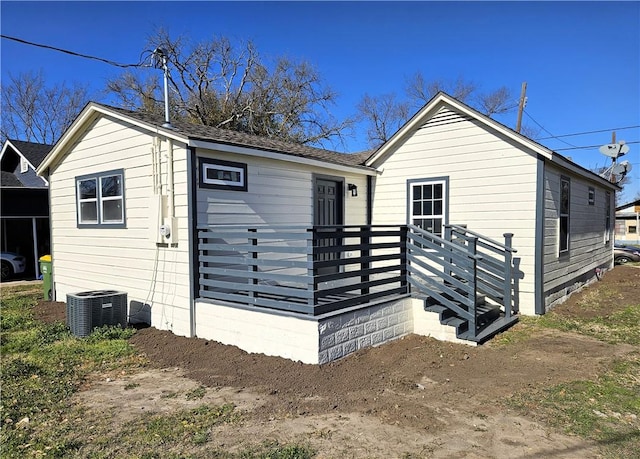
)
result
[(443, 101), (15, 153), (33, 152), (430, 110)]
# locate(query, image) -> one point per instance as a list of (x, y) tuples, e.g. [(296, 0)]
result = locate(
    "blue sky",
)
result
[(581, 60)]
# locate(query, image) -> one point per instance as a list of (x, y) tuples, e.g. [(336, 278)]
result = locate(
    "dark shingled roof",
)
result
[(241, 139), (7, 179), (34, 152)]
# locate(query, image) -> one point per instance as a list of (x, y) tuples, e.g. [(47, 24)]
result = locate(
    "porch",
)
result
[(315, 274)]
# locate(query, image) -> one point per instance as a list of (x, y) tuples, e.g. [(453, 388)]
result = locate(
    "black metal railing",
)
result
[(306, 270)]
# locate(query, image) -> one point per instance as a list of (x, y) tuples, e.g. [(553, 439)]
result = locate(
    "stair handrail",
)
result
[(505, 249), (444, 242), (482, 237)]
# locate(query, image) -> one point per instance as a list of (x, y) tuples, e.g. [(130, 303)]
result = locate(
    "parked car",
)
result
[(11, 264), (625, 253)]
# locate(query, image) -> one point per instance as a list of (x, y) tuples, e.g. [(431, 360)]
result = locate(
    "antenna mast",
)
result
[(160, 57)]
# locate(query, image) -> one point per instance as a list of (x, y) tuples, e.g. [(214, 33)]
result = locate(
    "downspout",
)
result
[(192, 237), (170, 194), (539, 301)]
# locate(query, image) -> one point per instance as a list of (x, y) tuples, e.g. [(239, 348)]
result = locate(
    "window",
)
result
[(100, 200), (24, 165), (592, 196), (224, 175), (607, 219), (565, 186), (427, 204), (633, 229)]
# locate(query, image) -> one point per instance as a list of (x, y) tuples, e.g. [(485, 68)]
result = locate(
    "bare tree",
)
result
[(496, 102), (384, 115), (530, 131), (420, 91), (35, 112), (216, 83)]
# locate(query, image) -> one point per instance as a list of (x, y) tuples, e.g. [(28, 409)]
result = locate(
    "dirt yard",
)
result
[(415, 397)]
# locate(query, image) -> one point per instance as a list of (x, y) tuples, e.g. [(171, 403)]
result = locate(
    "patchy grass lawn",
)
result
[(606, 409), (43, 365)]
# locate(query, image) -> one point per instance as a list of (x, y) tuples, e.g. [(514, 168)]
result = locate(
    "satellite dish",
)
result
[(618, 169), (614, 150), (627, 166)]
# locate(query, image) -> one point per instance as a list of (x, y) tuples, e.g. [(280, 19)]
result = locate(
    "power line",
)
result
[(589, 132), (543, 128), (591, 146), (73, 53)]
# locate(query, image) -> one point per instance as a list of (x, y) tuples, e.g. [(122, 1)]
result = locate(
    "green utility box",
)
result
[(46, 268)]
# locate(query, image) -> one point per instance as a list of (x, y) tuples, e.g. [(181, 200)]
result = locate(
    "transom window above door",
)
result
[(427, 205)]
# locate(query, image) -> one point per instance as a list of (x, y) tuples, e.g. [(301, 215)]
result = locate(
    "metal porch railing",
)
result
[(306, 270), (328, 268)]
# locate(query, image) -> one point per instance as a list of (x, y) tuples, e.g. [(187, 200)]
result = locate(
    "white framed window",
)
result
[(24, 165), (592, 196), (100, 200), (565, 199), (224, 175), (428, 204)]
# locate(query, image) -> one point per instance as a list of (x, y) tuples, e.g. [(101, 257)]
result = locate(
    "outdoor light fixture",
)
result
[(353, 188)]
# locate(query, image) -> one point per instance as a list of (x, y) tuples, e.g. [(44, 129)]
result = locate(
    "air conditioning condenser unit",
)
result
[(96, 308)]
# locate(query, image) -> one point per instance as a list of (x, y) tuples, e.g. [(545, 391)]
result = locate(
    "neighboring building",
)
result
[(628, 223), (269, 246), (24, 202)]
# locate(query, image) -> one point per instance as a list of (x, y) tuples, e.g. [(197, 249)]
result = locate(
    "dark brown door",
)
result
[(328, 211)]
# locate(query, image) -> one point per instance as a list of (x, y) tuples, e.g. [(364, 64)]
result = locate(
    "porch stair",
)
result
[(490, 321), (473, 292)]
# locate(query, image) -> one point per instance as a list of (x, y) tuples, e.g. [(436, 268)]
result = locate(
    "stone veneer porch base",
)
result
[(321, 339)]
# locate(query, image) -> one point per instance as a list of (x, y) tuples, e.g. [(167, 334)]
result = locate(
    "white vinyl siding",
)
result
[(124, 259), (492, 185), (278, 193)]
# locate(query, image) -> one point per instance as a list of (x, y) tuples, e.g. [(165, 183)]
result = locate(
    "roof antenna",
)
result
[(160, 59)]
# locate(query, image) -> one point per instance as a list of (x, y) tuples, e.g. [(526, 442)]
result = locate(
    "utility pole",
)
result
[(523, 102)]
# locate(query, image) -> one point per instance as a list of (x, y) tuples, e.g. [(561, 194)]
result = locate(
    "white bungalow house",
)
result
[(310, 254)]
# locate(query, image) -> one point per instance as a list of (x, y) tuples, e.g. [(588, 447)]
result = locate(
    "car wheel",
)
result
[(622, 260), (6, 270)]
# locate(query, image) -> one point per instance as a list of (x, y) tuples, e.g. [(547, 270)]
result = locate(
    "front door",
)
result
[(328, 211)]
